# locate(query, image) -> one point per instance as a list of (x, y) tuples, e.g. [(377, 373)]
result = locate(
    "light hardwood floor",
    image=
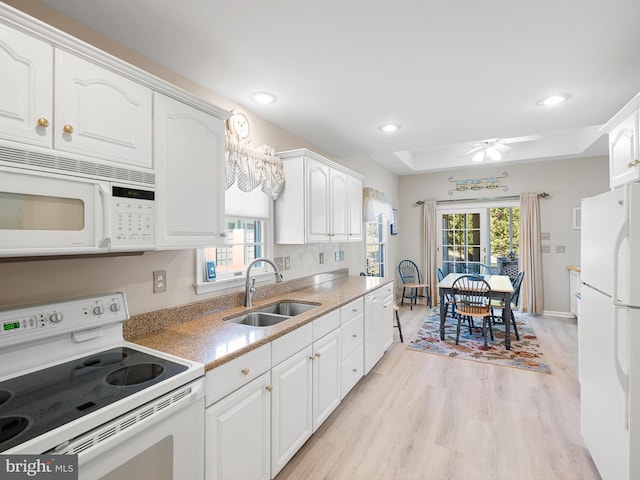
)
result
[(423, 416)]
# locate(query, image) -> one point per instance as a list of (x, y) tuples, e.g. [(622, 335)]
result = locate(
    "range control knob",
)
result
[(115, 307), (55, 317), (98, 310)]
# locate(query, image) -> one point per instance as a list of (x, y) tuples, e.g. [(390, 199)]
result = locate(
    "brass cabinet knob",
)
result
[(245, 371), (68, 129), (355, 370), (318, 354), (43, 122), (269, 388), (311, 357), (355, 310), (223, 234), (355, 335)]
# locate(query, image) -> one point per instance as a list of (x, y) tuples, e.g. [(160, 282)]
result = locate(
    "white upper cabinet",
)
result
[(624, 146), (321, 201), (26, 103), (100, 113), (189, 152), (354, 209), (623, 152)]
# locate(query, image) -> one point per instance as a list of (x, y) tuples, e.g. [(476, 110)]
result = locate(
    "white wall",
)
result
[(567, 182), (23, 282)]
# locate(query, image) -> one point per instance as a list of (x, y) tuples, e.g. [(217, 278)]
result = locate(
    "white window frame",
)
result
[(202, 286), (384, 222)]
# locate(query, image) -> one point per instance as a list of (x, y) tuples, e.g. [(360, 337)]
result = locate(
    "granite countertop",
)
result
[(212, 341)]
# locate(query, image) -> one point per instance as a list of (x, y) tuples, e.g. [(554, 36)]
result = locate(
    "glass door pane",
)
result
[(462, 239)]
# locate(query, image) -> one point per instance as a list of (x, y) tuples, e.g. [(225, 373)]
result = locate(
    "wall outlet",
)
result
[(287, 263), (546, 249), (342, 255), (561, 249), (545, 236), (337, 256), (159, 281), (279, 263), (321, 258)]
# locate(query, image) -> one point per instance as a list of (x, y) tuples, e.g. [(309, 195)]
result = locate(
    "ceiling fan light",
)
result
[(493, 154), (389, 128), (478, 157)]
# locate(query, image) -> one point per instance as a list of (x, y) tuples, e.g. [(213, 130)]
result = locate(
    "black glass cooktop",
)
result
[(33, 404)]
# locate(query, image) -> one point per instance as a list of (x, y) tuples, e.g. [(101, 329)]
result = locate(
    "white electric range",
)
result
[(70, 384)]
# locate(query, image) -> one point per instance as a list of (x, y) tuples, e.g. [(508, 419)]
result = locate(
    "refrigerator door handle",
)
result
[(623, 378), (622, 233)]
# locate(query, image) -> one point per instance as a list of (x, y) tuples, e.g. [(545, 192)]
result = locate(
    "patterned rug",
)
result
[(525, 353)]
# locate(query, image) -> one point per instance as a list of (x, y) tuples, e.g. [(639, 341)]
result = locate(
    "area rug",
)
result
[(525, 353)]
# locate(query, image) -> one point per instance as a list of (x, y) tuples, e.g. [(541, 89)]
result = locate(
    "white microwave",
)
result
[(46, 213)]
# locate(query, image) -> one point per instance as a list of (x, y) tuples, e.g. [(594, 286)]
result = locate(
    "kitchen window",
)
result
[(248, 236), (376, 238)]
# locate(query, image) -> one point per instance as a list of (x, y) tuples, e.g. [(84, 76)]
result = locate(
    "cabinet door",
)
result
[(237, 434), (317, 210), (338, 219), (355, 209), (623, 152), (188, 149), (387, 311), (291, 407), (27, 88), (101, 113), (373, 329), (326, 377)]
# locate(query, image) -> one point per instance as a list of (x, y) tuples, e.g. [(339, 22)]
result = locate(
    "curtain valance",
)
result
[(376, 203), (252, 168)]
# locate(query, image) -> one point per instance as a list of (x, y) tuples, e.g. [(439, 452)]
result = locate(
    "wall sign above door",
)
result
[(490, 183)]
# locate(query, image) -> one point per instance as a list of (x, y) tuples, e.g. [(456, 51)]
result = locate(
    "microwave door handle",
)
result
[(106, 217)]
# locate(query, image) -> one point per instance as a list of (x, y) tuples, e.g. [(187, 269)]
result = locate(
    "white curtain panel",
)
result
[(250, 169), (430, 260), (531, 291)]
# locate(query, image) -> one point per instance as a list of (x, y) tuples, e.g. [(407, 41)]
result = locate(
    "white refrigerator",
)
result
[(609, 331)]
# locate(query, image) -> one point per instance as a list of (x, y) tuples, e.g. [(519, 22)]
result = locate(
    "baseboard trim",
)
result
[(553, 313)]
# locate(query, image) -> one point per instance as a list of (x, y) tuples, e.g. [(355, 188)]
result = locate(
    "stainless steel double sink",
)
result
[(272, 314)]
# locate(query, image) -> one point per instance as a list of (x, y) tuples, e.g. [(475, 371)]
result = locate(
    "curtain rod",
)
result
[(483, 199)]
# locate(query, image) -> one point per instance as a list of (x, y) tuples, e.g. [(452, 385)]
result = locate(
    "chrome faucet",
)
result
[(250, 287)]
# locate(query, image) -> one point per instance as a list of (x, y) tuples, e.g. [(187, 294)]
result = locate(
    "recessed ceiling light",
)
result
[(389, 127), (552, 100), (264, 98)]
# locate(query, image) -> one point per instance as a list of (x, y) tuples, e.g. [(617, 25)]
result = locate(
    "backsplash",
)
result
[(147, 323)]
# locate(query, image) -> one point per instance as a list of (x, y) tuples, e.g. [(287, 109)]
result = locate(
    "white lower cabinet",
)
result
[(291, 407), (326, 377), (378, 325), (238, 433)]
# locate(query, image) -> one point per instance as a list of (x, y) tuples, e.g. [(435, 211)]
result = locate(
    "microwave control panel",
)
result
[(133, 217)]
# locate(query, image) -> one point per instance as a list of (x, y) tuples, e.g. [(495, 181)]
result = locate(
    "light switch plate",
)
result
[(546, 249), (545, 236), (321, 258), (337, 256), (287, 263), (342, 255), (561, 249)]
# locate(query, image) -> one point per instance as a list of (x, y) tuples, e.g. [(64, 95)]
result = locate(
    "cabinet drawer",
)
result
[(228, 377), (291, 343), (325, 324), (352, 371), (352, 335), (351, 310)]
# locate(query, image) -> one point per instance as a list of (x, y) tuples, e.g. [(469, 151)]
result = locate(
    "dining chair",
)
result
[(448, 300), (480, 269), (515, 298), (472, 297), (412, 283), (511, 269)]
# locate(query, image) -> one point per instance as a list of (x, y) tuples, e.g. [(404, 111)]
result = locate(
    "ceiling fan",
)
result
[(493, 148)]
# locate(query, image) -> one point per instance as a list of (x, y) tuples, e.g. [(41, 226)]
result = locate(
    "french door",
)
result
[(462, 239)]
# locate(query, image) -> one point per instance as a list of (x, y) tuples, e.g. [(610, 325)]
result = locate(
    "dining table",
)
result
[(501, 289)]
